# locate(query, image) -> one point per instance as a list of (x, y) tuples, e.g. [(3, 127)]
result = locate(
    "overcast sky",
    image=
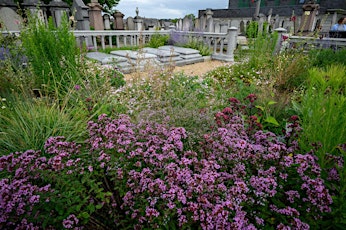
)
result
[(167, 9)]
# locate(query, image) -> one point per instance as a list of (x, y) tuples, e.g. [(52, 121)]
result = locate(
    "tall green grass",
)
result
[(51, 53), (27, 122)]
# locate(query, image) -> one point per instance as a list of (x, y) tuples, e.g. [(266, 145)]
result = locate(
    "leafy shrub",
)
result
[(144, 176), (252, 29), (158, 40), (195, 43)]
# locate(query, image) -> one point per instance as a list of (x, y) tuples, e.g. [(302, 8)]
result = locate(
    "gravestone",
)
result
[(224, 27), (210, 25), (308, 21), (217, 27), (58, 8), (164, 56), (197, 26), (118, 21), (95, 16), (36, 7), (203, 23), (8, 3), (9, 19), (81, 15), (187, 24), (180, 24), (106, 21), (130, 23)]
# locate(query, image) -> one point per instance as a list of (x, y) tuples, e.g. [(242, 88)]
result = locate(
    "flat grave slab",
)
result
[(105, 58), (163, 55), (180, 50), (133, 54)]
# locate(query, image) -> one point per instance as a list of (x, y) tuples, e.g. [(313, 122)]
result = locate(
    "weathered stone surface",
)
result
[(163, 55), (133, 54), (105, 58), (180, 50)]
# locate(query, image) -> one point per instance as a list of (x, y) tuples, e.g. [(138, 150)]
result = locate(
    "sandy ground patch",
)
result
[(197, 69)]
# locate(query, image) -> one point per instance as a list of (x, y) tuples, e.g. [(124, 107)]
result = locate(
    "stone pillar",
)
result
[(232, 34), (58, 8), (280, 32), (308, 21), (118, 21), (138, 23), (96, 20)]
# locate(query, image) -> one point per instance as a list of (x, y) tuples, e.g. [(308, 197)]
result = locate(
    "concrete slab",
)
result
[(180, 50), (164, 56), (133, 54), (160, 53), (105, 58)]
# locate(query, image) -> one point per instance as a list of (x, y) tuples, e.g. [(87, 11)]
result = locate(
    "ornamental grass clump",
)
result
[(144, 176)]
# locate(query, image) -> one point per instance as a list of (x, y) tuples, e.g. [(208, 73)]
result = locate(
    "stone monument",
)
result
[(118, 21), (95, 15), (308, 21), (58, 8), (138, 21)]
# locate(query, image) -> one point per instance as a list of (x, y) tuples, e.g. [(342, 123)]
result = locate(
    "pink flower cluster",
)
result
[(146, 176)]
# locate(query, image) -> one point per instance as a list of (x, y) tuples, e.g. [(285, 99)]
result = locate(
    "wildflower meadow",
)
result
[(255, 144)]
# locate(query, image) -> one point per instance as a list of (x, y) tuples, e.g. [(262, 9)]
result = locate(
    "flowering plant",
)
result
[(145, 176)]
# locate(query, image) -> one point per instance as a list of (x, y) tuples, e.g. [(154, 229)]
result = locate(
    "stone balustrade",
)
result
[(286, 41), (221, 44)]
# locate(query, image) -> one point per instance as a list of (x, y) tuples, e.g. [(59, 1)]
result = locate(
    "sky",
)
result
[(167, 9)]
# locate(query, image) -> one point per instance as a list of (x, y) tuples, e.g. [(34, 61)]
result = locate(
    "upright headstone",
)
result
[(210, 20), (277, 21), (180, 24), (203, 23), (187, 24), (106, 22), (80, 10), (8, 3), (130, 23), (118, 21), (224, 27), (58, 8), (9, 19), (217, 27), (36, 7), (308, 21), (96, 20), (197, 26)]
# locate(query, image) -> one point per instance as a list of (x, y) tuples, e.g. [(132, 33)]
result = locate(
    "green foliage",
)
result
[(51, 54), (195, 43), (158, 40), (252, 30), (322, 108), (26, 122), (326, 57)]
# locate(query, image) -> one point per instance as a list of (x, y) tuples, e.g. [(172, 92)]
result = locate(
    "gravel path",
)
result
[(198, 69)]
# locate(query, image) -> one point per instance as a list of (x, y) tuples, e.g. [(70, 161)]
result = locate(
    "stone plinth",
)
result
[(95, 15)]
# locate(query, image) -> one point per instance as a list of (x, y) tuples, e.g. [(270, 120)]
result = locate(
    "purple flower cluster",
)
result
[(19, 193), (145, 176)]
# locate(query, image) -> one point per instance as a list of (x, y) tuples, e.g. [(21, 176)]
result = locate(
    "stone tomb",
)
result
[(189, 56), (105, 59), (163, 56), (136, 60)]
